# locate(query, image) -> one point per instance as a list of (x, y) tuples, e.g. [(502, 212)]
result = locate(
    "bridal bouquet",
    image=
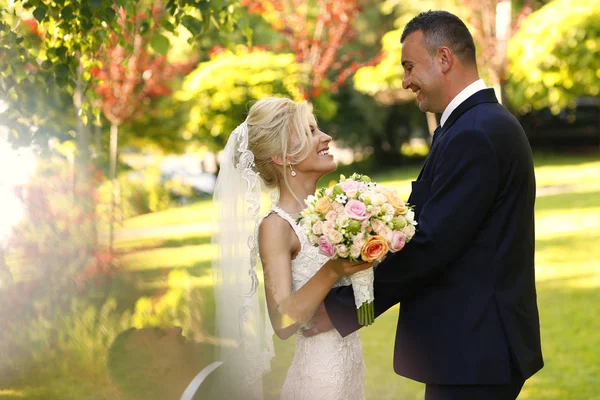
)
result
[(358, 220)]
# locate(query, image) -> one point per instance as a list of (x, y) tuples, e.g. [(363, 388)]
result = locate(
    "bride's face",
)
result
[(319, 160)]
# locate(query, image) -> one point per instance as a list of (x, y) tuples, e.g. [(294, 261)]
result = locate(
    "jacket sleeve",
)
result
[(456, 201)]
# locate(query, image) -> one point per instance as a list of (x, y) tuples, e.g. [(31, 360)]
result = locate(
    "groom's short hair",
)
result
[(441, 28)]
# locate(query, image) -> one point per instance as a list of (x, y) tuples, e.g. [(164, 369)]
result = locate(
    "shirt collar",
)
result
[(462, 96), (194, 385)]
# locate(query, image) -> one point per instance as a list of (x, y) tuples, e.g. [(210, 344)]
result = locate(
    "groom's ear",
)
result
[(446, 58)]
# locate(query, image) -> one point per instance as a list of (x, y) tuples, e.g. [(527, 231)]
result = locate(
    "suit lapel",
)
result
[(482, 96)]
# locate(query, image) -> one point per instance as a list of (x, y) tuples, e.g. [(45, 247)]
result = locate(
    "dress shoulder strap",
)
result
[(284, 215)]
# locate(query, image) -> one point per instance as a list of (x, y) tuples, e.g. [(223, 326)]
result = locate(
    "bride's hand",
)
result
[(345, 267)]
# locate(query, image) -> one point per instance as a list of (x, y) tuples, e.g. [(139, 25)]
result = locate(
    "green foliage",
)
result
[(222, 89), (54, 348), (179, 305), (384, 80), (555, 56), (49, 52), (140, 194), (387, 75)]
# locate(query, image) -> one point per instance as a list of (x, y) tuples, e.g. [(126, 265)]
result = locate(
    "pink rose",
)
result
[(357, 210), (325, 247), (351, 188), (318, 228), (398, 241), (351, 185)]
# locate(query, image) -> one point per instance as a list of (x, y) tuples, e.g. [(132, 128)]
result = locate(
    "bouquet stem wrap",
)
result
[(362, 284)]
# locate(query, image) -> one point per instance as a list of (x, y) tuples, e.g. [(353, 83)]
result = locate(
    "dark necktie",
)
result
[(436, 133)]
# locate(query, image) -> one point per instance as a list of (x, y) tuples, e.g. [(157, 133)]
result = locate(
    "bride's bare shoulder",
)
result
[(275, 233), (273, 224)]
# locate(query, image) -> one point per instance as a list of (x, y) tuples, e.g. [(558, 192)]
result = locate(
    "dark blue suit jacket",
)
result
[(466, 280)]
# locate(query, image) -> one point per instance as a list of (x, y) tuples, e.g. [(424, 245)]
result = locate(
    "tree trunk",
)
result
[(114, 136), (82, 174)]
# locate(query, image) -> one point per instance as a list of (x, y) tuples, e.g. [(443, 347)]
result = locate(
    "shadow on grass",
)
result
[(134, 246), (545, 158)]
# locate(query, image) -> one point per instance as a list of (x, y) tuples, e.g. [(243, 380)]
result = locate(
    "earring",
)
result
[(293, 173)]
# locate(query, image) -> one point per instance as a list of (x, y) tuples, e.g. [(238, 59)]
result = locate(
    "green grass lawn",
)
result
[(567, 268)]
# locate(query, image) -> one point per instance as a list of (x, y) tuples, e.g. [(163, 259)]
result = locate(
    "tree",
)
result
[(64, 51), (554, 56), (130, 75), (493, 23), (58, 60), (221, 90), (318, 34)]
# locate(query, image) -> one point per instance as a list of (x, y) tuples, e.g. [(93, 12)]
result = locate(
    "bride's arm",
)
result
[(288, 309)]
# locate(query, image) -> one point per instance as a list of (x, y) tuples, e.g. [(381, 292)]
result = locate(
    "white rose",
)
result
[(409, 231), (335, 236), (388, 209), (352, 193), (378, 199), (342, 250), (410, 217), (310, 199), (387, 233), (355, 251), (313, 239), (342, 220)]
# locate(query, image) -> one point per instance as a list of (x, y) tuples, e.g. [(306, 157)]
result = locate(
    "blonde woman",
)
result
[(281, 145)]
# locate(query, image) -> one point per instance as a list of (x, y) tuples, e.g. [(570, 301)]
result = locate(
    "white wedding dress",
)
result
[(326, 366)]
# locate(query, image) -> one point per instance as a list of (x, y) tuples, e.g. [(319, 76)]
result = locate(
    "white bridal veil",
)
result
[(245, 333)]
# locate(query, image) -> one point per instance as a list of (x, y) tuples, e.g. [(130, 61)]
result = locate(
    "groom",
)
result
[(468, 325)]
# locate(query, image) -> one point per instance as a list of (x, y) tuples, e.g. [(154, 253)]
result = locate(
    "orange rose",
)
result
[(395, 201), (375, 249), (322, 206)]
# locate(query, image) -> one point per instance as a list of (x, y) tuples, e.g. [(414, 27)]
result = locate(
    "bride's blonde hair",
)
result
[(279, 127)]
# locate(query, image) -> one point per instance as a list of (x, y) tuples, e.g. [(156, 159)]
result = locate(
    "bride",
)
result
[(281, 145)]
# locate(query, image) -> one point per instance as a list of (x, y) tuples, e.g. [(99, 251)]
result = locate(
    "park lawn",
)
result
[(567, 271)]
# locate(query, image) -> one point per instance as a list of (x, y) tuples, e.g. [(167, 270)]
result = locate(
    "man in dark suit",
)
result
[(468, 324), (161, 364)]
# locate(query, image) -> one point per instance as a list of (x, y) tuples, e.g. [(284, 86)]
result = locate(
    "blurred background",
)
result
[(112, 117)]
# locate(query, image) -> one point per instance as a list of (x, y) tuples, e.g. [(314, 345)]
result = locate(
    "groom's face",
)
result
[(422, 73)]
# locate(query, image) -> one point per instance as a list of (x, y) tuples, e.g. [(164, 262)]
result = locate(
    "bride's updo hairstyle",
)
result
[(278, 127)]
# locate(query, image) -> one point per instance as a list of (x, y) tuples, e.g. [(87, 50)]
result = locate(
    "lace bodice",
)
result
[(309, 260), (325, 366)]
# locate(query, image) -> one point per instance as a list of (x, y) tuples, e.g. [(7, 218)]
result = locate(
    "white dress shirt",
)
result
[(194, 385), (462, 96)]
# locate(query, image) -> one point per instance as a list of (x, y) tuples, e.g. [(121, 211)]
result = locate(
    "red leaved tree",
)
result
[(131, 75), (318, 34)]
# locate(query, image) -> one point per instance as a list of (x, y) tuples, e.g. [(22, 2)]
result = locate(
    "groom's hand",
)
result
[(320, 323)]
